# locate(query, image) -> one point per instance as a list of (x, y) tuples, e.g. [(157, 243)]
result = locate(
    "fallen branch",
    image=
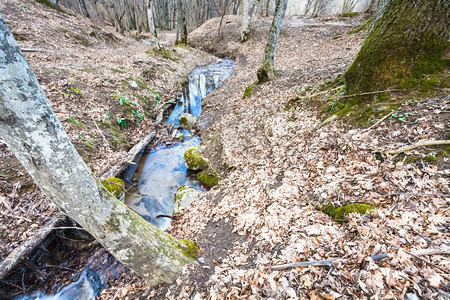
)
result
[(23, 250), (131, 156), (417, 145), (320, 263), (379, 121), (416, 254), (370, 93)]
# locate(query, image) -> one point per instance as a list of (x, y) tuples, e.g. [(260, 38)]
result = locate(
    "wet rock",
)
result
[(187, 120), (193, 160), (183, 197), (115, 186)]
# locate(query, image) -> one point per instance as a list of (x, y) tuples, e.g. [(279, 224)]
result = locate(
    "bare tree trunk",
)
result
[(245, 23), (129, 16), (33, 133), (267, 7), (108, 12), (181, 23), (151, 24), (266, 72), (249, 8)]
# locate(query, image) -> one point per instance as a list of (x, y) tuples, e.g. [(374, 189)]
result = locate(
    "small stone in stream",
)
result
[(183, 197), (187, 120), (193, 160)]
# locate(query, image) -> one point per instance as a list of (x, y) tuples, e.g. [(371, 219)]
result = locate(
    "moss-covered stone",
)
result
[(115, 186), (187, 120), (193, 160), (339, 213), (209, 178)]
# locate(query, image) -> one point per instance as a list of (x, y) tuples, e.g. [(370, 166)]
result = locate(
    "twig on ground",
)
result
[(417, 145), (320, 263), (379, 121)]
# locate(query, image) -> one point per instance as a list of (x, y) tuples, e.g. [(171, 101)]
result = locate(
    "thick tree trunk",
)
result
[(266, 71), (407, 41), (35, 136)]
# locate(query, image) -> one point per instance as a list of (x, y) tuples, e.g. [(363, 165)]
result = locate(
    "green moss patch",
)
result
[(208, 178), (189, 249), (193, 160), (115, 186), (339, 213), (248, 91)]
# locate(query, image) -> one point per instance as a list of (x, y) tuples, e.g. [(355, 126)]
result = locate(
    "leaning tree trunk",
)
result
[(151, 24), (266, 72), (407, 41), (33, 133)]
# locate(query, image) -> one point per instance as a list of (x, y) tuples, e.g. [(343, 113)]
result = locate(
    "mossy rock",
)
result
[(339, 213), (208, 178), (193, 160), (187, 120), (183, 197), (115, 186)]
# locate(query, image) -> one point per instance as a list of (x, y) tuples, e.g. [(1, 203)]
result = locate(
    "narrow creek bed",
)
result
[(151, 181)]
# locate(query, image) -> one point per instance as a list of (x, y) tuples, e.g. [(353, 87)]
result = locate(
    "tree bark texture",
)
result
[(151, 24), (266, 71), (181, 23), (245, 25), (407, 41), (34, 134)]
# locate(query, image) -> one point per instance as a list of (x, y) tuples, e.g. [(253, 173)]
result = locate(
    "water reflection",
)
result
[(156, 176)]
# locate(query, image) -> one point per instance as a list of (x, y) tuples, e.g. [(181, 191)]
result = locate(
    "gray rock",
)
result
[(187, 120), (183, 197)]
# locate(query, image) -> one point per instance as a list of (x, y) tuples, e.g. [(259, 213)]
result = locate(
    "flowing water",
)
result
[(151, 181)]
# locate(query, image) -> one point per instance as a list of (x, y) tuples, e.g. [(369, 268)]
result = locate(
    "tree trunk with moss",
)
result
[(407, 41), (266, 72), (33, 133)]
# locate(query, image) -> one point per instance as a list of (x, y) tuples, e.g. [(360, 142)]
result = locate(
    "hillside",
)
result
[(288, 155)]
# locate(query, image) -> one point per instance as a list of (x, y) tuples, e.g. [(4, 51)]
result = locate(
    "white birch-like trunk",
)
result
[(245, 25), (151, 24), (33, 133), (266, 71)]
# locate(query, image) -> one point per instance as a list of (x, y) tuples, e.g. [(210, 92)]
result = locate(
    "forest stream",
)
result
[(151, 181)]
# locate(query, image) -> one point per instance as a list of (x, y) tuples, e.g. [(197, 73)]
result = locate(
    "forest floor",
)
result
[(279, 160)]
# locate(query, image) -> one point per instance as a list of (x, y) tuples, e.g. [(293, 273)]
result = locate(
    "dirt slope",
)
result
[(280, 162)]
